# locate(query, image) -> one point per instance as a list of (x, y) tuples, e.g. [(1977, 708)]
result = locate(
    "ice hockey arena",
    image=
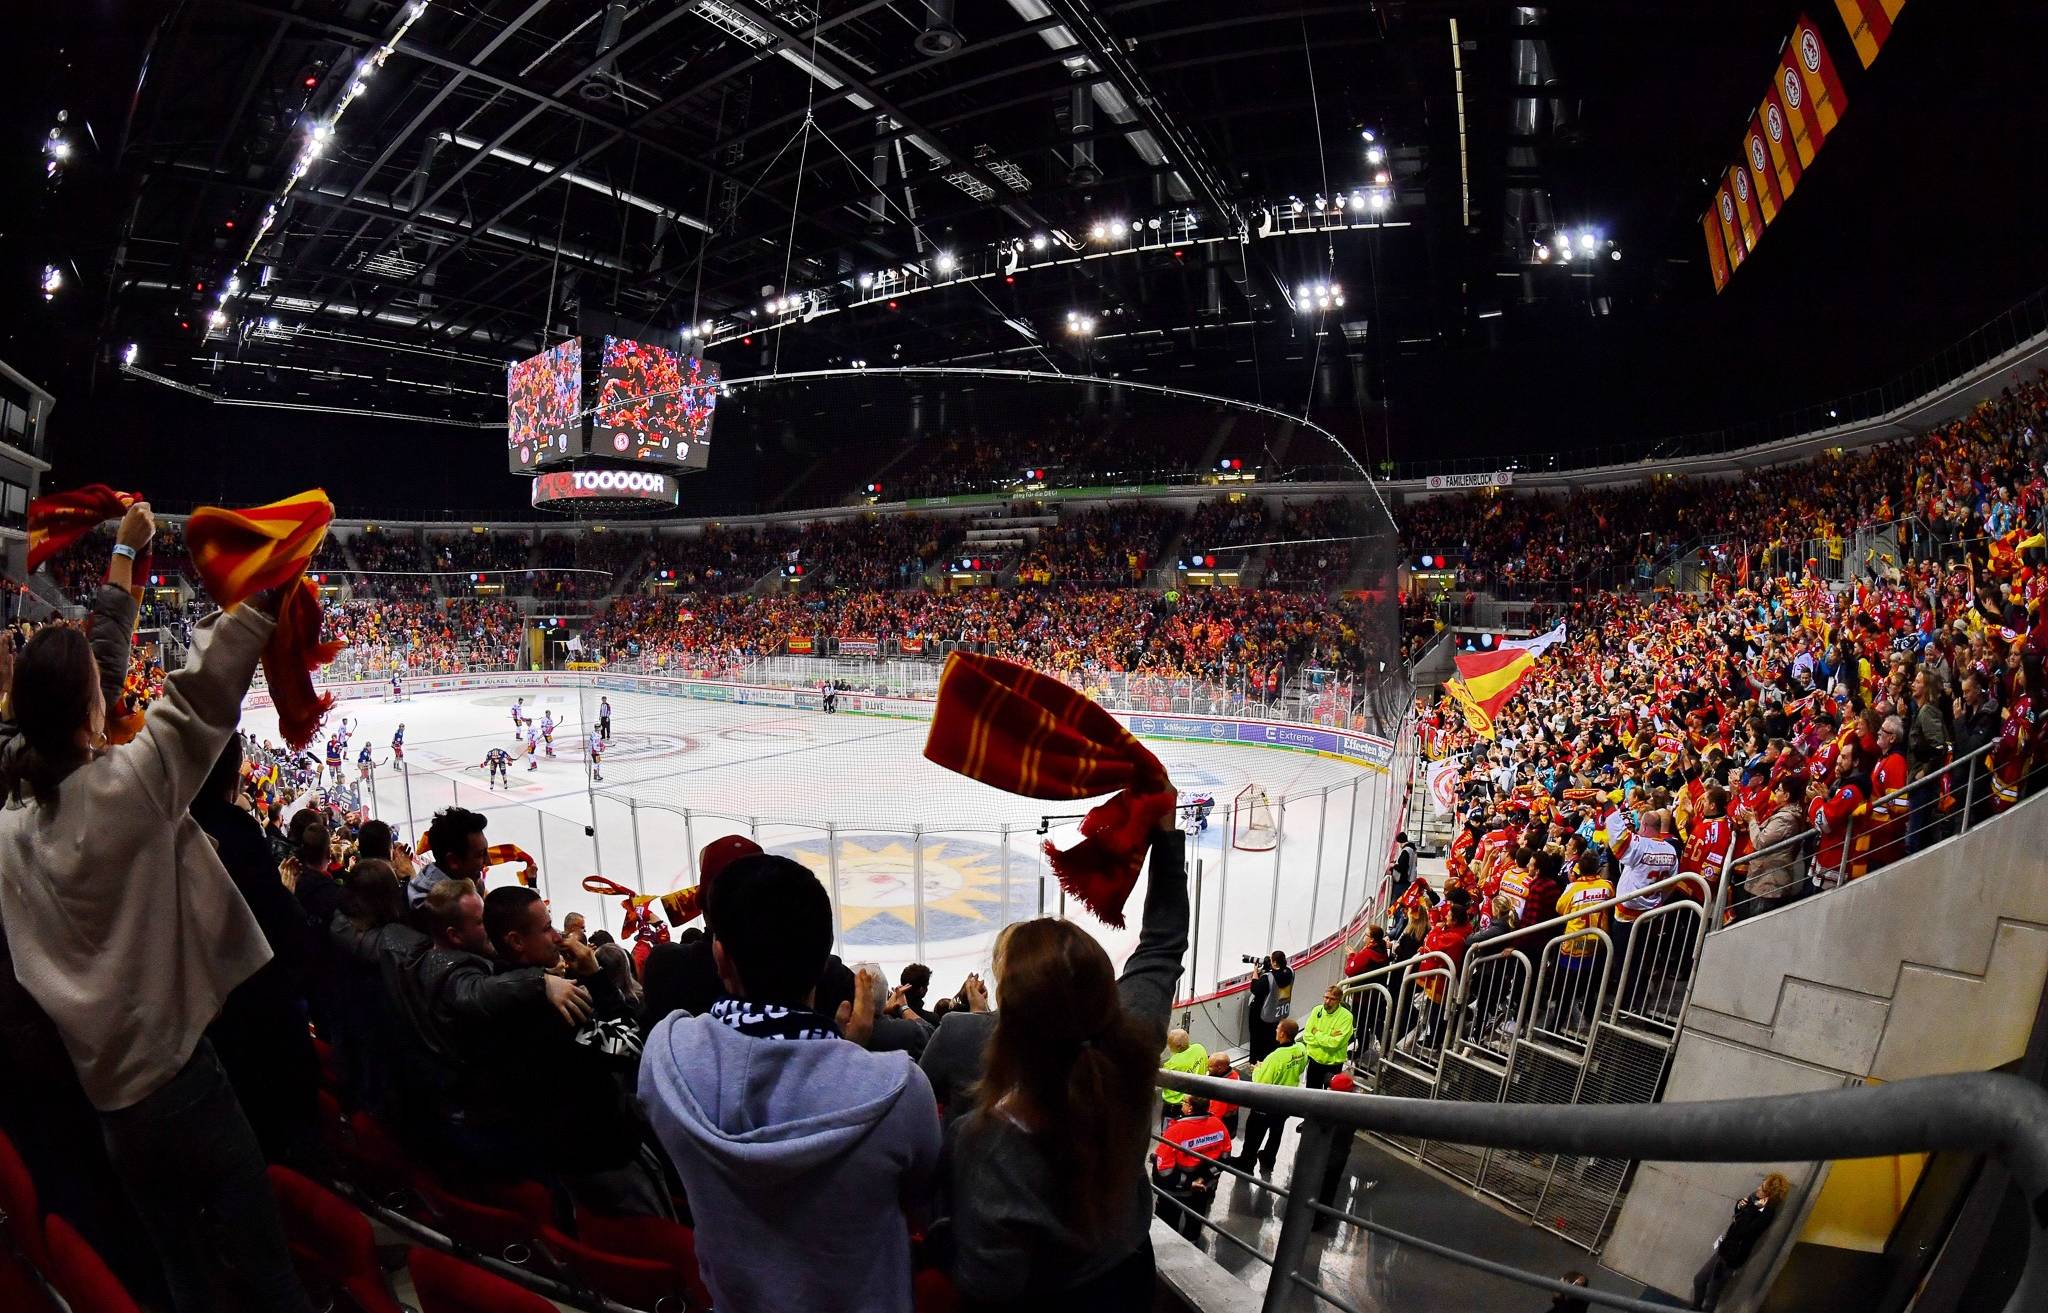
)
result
[(1010, 656)]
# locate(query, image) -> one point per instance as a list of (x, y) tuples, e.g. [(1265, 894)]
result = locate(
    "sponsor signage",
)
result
[(1452, 482), (860, 646), (801, 646), (649, 486)]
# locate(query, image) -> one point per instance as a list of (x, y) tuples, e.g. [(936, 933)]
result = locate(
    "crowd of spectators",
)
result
[(1115, 545), (669, 1091)]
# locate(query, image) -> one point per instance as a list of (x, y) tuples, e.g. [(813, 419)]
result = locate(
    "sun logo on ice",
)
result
[(963, 886)]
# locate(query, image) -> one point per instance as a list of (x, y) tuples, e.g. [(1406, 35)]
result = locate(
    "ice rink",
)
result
[(852, 797)]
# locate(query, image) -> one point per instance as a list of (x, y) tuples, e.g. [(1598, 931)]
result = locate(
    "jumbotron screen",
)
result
[(541, 399), (654, 405)]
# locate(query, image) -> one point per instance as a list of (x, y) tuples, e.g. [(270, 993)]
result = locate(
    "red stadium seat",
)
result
[(376, 1161), (333, 1126), (636, 1282), (445, 1284), (487, 1229), (331, 1243), (80, 1275), (932, 1291), (648, 1238), (21, 1216), (530, 1199)]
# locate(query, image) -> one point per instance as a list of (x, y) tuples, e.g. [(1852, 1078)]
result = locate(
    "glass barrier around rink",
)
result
[(1290, 876)]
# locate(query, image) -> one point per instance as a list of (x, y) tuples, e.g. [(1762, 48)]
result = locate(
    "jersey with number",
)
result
[(596, 744), (497, 759)]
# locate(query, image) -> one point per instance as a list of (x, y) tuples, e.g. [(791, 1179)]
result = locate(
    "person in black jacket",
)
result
[(1268, 1002), (1977, 722), (542, 1094), (260, 1035), (1753, 1216)]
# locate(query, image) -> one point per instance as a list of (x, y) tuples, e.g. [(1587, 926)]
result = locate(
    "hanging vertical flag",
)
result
[(1717, 254), (1869, 23), (1777, 139), (1747, 217), (1823, 87), (1792, 99), (1756, 161), (1724, 209)]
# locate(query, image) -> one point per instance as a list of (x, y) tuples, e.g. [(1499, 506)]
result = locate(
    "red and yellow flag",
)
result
[(1475, 716), (1869, 23), (1808, 54), (1724, 210), (1778, 140), (1747, 217), (1717, 254), (1492, 677), (1800, 124), (1756, 162)]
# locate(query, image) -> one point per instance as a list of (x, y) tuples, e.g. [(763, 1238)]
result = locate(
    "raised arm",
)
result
[(1153, 968)]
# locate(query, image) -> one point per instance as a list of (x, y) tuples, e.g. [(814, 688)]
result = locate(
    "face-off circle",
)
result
[(963, 886)]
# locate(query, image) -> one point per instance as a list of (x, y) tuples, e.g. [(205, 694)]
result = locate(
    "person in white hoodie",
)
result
[(800, 1151)]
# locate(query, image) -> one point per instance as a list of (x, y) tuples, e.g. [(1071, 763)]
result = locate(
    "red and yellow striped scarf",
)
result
[(1026, 733)]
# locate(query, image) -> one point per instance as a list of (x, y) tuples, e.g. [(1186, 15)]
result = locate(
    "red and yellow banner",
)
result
[(1778, 140), (1731, 232), (1492, 677), (1809, 89), (1748, 217), (1717, 254), (1869, 23), (799, 646), (1756, 162)]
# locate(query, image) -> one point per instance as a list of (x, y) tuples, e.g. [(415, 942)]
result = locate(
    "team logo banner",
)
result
[(1443, 785), (1452, 482)]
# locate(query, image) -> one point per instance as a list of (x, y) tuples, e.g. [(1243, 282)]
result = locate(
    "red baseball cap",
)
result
[(1343, 1084), (721, 853)]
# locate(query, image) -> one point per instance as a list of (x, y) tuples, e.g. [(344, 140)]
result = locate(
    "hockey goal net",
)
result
[(1251, 821)]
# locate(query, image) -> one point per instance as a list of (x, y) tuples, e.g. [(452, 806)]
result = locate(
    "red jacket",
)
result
[(1207, 1135), (1365, 958), (1450, 941), (1835, 808)]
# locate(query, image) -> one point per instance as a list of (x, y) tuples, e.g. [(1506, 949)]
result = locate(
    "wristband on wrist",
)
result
[(123, 549)]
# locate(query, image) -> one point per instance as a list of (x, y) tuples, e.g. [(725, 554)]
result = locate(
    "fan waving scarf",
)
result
[(680, 906), (1026, 733), (238, 554), (498, 854)]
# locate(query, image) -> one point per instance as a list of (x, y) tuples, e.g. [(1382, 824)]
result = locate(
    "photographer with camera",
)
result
[(1270, 1000)]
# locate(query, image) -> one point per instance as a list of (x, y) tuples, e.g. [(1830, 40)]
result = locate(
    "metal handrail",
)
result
[(1982, 1112)]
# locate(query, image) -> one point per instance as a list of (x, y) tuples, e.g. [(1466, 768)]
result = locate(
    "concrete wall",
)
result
[(1936, 964)]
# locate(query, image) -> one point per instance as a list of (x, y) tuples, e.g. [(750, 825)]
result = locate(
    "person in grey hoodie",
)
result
[(800, 1152)]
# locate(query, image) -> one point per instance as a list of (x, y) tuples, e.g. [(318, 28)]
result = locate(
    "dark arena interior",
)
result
[(1197, 655)]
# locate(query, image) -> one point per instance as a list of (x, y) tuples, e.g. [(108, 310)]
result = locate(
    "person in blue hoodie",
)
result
[(800, 1151)]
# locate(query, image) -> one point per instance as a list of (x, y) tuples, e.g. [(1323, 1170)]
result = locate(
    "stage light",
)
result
[(1587, 241), (707, 328), (1340, 302), (1320, 202), (1542, 254), (60, 149), (1379, 202), (1116, 227), (1098, 232), (944, 262), (1296, 204), (1153, 225), (1039, 241), (1374, 155), (1564, 253), (867, 280), (1614, 254), (312, 80), (1564, 241), (1367, 134), (128, 356), (53, 281), (217, 318), (1302, 293), (271, 325), (1382, 178)]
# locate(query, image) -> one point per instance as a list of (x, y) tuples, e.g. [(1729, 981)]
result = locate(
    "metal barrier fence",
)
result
[(2000, 1115)]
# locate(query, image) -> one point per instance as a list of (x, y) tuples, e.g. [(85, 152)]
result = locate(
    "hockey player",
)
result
[(499, 761), (518, 715), (397, 688), (1202, 804), (547, 731), (532, 747), (597, 754), (334, 747), (366, 765), (398, 743)]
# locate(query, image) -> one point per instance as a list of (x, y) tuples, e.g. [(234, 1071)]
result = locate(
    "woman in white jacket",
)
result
[(126, 928)]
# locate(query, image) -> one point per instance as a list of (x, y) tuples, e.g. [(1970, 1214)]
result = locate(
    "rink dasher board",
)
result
[(1369, 751)]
